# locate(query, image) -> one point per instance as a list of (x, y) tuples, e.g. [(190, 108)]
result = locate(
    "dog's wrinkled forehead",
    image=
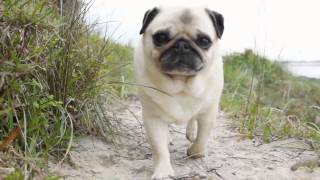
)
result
[(186, 16), (181, 20)]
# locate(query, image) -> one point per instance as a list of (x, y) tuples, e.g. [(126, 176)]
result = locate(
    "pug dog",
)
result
[(179, 67)]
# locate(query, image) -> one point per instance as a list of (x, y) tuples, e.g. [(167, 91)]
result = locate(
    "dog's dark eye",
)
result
[(160, 38), (203, 41)]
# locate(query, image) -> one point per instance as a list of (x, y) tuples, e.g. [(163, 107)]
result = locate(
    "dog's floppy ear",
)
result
[(218, 22), (148, 17)]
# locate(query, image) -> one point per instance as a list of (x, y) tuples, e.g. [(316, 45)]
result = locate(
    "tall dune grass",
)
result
[(269, 102), (53, 73)]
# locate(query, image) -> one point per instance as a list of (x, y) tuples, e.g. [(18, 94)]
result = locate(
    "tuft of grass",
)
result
[(269, 102), (54, 70)]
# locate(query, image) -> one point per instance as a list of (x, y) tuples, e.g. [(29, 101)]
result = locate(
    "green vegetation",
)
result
[(57, 73), (269, 102), (54, 74)]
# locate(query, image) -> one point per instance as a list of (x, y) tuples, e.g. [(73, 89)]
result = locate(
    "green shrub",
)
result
[(54, 74)]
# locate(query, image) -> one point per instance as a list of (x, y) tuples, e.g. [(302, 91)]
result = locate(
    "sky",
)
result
[(279, 29)]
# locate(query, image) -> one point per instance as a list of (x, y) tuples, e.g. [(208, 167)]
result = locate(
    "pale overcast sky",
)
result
[(280, 29)]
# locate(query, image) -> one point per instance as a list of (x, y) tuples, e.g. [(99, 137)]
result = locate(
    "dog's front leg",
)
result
[(157, 132)]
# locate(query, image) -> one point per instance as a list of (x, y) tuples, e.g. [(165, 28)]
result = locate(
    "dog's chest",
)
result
[(185, 101), (182, 107)]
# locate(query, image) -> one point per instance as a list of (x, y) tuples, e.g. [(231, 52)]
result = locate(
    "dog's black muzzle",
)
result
[(181, 58)]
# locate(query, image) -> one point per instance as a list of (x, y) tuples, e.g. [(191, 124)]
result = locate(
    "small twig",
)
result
[(192, 156), (214, 170), (140, 85), (13, 134), (219, 175)]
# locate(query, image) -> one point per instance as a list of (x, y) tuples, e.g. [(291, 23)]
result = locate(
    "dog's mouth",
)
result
[(183, 71), (182, 58), (189, 66)]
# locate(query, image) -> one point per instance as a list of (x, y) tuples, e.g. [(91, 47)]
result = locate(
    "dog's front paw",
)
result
[(163, 173), (196, 151)]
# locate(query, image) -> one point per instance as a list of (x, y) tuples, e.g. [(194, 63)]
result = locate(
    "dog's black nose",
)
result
[(182, 46)]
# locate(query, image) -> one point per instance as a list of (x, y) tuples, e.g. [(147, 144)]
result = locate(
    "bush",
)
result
[(53, 76)]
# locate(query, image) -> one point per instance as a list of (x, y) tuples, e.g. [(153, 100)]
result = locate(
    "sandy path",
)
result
[(230, 155)]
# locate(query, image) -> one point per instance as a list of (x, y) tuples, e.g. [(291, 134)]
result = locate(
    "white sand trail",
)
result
[(230, 155)]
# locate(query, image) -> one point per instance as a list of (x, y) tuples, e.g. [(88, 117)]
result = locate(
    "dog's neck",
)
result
[(176, 84)]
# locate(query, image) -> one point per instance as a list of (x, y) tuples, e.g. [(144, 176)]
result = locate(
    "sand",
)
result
[(230, 155)]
